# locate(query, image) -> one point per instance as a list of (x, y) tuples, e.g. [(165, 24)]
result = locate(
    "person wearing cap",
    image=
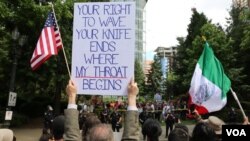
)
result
[(215, 123)]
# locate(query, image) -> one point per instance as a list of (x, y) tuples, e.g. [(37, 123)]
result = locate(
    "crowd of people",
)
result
[(95, 128), (67, 127)]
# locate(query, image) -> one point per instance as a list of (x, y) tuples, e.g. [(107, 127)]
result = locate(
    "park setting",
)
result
[(150, 70)]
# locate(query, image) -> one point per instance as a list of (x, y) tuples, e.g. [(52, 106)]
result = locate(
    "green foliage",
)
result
[(238, 32), (155, 77), (19, 120), (231, 47), (170, 83), (139, 77), (29, 17)]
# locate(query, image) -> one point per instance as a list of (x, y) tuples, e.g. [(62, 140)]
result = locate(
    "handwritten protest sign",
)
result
[(103, 47)]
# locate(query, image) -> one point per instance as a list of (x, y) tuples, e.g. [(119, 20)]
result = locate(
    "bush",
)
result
[(2, 116), (34, 107), (18, 120)]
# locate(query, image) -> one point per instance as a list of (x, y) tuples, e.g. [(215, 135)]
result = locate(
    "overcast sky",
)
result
[(168, 19)]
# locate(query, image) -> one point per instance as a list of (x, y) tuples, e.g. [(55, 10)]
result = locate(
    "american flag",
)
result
[(48, 43)]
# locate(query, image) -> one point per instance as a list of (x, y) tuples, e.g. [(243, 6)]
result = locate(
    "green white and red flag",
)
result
[(209, 84)]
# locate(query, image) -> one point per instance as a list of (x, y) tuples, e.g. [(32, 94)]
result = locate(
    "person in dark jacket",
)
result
[(170, 121), (143, 116), (49, 118), (116, 119)]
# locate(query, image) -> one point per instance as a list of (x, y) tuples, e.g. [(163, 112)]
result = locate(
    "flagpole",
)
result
[(64, 54), (237, 100)]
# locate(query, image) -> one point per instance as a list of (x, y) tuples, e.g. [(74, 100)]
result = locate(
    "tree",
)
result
[(155, 77), (183, 75), (238, 32), (139, 77), (52, 76), (171, 86)]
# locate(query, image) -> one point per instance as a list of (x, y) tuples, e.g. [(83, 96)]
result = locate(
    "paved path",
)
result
[(33, 131)]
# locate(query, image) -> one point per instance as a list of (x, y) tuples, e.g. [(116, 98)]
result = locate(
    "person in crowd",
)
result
[(49, 118), (183, 110), (71, 124), (143, 116), (215, 123), (100, 132), (6, 135), (179, 133), (169, 119), (82, 117), (116, 119), (131, 120), (91, 120), (152, 129), (157, 97), (140, 107), (158, 109), (58, 128), (152, 110), (105, 115), (131, 124), (203, 132), (45, 135), (182, 126), (165, 106)]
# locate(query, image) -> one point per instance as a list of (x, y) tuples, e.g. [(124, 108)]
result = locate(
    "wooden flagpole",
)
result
[(64, 54), (237, 100)]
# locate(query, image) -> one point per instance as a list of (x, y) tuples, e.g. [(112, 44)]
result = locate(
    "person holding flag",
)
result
[(209, 84)]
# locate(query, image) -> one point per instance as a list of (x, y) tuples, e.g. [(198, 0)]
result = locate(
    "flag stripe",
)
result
[(50, 40), (40, 60)]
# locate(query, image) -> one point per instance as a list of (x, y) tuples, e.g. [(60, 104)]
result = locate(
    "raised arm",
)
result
[(131, 122), (71, 128)]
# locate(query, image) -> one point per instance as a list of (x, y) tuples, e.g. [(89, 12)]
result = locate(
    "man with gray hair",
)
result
[(100, 132)]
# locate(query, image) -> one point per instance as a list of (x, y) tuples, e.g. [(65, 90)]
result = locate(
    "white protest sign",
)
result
[(103, 47)]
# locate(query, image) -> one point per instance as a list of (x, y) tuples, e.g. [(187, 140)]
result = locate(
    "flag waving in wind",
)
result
[(48, 43), (209, 84)]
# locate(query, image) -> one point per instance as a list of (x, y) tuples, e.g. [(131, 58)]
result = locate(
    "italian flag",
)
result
[(209, 84)]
